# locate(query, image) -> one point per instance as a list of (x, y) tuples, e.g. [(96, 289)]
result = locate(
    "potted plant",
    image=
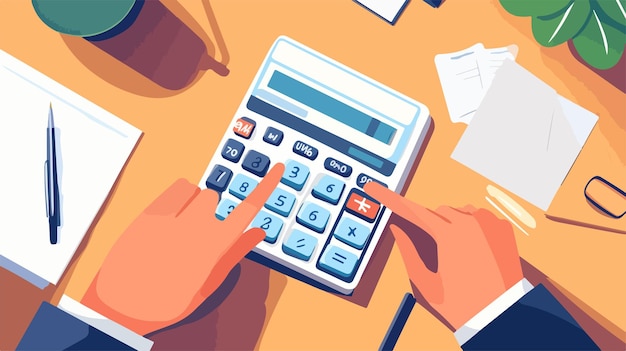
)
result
[(596, 28)]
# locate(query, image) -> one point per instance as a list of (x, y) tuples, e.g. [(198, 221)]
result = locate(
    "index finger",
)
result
[(245, 212), (401, 206)]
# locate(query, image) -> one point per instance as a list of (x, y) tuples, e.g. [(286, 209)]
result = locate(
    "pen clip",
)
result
[(46, 187)]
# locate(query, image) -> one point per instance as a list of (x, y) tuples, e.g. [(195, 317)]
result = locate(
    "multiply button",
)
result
[(352, 233), (362, 206)]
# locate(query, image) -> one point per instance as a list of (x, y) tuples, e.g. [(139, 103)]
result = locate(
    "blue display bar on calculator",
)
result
[(334, 129)]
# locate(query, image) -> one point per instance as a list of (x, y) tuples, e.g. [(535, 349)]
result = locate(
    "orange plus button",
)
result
[(244, 127), (362, 206)]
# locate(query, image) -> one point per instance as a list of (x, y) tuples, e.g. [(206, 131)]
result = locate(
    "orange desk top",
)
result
[(182, 129)]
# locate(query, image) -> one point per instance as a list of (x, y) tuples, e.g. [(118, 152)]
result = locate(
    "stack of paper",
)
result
[(93, 146), (466, 76)]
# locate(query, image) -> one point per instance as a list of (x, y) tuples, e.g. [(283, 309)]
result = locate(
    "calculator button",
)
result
[(280, 202), (256, 163), (338, 262), (224, 208), (329, 189), (305, 150), (300, 245), (242, 186), (219, 178), (337, 167), (271, 224), (352, 233), (295, 174), (313, 217), (273, 136), (232, 150), (244, 127), (363, 178), (362, 205)]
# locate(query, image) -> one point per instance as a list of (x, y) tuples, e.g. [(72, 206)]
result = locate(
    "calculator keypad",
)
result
[(310, 217)]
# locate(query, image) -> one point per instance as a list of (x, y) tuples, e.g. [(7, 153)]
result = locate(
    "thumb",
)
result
[(425, 280), (235, 253)]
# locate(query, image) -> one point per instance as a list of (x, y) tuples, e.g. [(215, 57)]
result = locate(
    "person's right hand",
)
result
[(477, 258)]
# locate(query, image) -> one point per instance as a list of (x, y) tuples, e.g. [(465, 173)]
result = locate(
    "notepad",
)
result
[(93, 146)]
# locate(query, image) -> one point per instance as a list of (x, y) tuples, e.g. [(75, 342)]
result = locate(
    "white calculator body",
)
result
[(334, 129)]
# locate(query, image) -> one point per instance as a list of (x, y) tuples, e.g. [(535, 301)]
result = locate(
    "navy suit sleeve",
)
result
[(536, 322), (54, 329)]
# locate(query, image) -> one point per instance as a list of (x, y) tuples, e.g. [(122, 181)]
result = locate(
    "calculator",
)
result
[(335, 130)]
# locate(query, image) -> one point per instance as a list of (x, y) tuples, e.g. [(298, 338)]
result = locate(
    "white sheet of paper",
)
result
[(524, 136), (466, 76), (387, 9), (93, 146)]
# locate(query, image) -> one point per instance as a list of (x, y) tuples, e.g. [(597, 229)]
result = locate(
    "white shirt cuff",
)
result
[(492, 311), (105, 325)]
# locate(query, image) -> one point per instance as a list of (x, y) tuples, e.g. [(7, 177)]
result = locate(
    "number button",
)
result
[(295, 174), (256, 163), (232, 150), (242, 186), (280, 202), (300, 245), (219, 178), (352, 232), (329, 189), (338, 262), (271, 224), (313, 217), (224, 208)]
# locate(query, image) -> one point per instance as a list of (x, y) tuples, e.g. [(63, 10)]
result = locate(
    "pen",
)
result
[(52, 181), (398, 322)]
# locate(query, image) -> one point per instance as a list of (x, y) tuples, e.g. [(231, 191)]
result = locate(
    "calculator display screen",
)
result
[(331, 107), (335, 105)]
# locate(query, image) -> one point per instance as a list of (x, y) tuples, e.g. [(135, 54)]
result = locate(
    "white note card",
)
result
[(92, 147), (524, 136)]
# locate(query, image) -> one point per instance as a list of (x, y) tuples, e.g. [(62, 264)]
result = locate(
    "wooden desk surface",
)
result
[(182, 129)]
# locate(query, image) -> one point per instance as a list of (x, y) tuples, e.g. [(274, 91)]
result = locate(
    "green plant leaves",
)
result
[(556, 29), (534, 7), (600, 44), (615, 9)]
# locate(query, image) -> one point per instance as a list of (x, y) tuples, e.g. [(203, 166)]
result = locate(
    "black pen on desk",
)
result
[(398, 322), (52, 181)]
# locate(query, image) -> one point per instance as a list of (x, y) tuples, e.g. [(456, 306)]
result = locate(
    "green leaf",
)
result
[(600, 44), (615, 9), (534, 7), (555, 30)]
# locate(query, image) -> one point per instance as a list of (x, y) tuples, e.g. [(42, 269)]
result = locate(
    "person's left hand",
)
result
[(174, 255)]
